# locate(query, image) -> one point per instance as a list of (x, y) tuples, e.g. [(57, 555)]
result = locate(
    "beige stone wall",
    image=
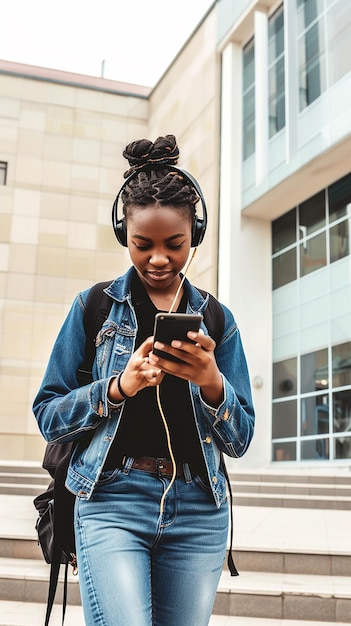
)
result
[(63, 147), (186, 103)]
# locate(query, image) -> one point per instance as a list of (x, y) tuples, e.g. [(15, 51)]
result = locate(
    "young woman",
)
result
[(151, 515)]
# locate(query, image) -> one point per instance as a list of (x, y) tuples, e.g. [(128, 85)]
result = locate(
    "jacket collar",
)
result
[(120, 290)]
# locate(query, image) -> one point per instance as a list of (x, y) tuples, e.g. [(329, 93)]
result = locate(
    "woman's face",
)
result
[(159, 240)]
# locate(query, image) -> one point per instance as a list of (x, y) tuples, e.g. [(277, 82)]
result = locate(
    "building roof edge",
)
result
[(72, 79)]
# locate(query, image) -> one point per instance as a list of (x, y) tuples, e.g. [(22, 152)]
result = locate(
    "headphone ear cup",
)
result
[(121, 232), (199, 228)]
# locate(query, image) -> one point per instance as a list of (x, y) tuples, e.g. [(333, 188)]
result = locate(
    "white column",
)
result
[(244, 258), (230, 175), (261, 94), (291, 78)]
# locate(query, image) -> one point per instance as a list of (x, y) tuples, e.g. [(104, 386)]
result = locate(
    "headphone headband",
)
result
[(199, 223)]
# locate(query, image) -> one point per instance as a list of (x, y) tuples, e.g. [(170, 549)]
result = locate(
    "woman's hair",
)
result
[(155, 184)]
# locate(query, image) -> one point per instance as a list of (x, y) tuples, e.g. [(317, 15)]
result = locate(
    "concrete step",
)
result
[(291, 488), (26, 580), (255, 560), (23, 467), (285, 596), (318, 476), (327, 489), (252, 594), (21, 477), (225, 620), (292, 562), (294, 501), (22, 489), (20, 548), (32, 614)]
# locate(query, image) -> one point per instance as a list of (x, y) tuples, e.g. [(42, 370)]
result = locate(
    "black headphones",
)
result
[(199, 224)]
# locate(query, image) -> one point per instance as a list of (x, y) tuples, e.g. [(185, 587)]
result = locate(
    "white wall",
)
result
[(245, 263)]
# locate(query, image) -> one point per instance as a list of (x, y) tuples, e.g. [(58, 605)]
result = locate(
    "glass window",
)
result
[(341, 363), (342, 424), (284, 451), (313, 254), (3, 172), (276, 72), (276, 98), (249, 65), (284, 419), (307, 12), (276, 35), (315, 449), (248, 100), (342, 411), (314, 415), (311, 64), (339, 241), (284, 231), (314, 371), (339, 198), (311, 409), (284, 268), (249, 124), (342, 447), (285, 378), (312, 214)]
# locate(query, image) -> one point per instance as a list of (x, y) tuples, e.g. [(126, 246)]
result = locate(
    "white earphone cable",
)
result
[(163, 417)]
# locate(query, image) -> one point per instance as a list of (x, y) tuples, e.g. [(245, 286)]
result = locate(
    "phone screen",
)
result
[(169, 326)]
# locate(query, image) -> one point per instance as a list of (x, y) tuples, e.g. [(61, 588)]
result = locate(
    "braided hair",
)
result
[(155, 184)]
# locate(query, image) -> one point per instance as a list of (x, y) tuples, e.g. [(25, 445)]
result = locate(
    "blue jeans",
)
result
[(140, 568)]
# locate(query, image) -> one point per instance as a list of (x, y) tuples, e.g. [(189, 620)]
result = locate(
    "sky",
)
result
[(131, 41)]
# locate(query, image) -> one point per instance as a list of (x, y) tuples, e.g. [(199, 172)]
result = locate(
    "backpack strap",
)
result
[(230, 559), (97, 309), (54, 576), (213, 317), (214, 322)]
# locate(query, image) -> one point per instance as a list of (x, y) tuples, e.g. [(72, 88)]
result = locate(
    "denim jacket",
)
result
[(65, 411)]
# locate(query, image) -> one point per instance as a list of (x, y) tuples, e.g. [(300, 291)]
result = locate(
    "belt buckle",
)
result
[(160, 468)]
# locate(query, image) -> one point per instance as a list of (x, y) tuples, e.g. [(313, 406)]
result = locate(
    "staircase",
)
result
[(292, 537), (22, 479), (315, 490)]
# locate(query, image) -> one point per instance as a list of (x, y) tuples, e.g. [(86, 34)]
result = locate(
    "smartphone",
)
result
[(169, 326)]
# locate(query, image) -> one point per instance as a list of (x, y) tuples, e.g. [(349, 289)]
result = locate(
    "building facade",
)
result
[(259, 98), (286, 128)]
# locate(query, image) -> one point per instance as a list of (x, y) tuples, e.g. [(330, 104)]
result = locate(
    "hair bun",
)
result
[(144, 152)]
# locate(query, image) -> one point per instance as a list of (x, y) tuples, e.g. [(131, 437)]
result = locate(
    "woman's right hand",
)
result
[(138, 374)]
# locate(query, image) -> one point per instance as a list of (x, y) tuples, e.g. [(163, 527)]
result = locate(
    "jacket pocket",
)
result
[(104, 342)]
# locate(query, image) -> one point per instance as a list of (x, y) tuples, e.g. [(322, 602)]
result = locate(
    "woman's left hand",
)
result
[(198, 364)]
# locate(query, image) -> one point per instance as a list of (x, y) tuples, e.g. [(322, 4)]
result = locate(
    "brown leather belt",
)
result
[(160, 467)]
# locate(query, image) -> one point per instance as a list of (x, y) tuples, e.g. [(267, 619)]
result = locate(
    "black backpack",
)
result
[(55, 506)]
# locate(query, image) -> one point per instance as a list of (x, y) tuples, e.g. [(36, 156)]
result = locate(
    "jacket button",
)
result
[(214, 480), (208, 439)]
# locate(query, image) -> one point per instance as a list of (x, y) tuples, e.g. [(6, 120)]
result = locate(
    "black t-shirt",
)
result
[(141, 432)]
